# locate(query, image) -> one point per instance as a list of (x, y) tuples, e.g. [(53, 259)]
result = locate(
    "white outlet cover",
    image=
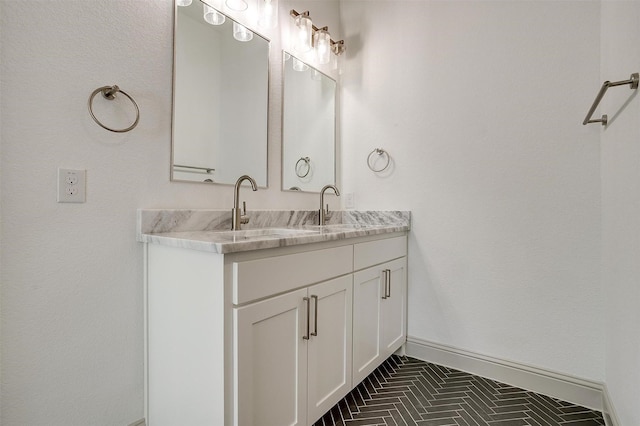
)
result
[(349, 200), (71, 185)]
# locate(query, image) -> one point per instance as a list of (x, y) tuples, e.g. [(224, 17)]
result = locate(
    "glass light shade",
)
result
[(239, 5), (302, 30), (212, 16), (298, 65), (268, 13), (241, 33), (337, 63), (183, 2), (338, 57), (316, 75), (322, 46)]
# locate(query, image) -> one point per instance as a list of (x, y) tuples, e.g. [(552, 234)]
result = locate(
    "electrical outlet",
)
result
[(349, 201), (71, 185)]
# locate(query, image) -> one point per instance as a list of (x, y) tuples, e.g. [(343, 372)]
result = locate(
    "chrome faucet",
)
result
[(239, 217), (325, 214)]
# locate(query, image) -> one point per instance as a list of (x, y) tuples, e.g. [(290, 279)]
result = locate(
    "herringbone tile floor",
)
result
[(405, 391)]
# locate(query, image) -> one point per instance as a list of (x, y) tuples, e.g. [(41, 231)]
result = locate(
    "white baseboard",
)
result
[(586, 393), (608, 411)]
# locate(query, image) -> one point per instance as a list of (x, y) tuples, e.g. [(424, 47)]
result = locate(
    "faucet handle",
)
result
[(244, 219), (327, 213)]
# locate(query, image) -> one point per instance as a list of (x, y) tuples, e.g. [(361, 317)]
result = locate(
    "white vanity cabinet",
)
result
[(268, 337), (380, 300), (293, 355)]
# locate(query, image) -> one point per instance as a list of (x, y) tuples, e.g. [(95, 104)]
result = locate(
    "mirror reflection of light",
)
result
[(239, 5), (241, 33), (212, 16), (183, 2), (298, 65)]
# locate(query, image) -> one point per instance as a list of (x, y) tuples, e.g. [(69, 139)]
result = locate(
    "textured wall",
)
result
[(72, 313), (480, 104), (621, 207)]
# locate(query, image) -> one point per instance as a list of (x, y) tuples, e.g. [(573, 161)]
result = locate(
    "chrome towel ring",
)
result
[(381, 152), (109, 92), (307, 161)]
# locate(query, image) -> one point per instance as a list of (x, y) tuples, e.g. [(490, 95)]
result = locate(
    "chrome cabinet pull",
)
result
[(315, 327), (306, 299), (388, 275), (385, 280)]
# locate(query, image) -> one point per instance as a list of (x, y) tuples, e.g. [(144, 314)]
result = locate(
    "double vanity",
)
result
[(267, 322), (269, 325)]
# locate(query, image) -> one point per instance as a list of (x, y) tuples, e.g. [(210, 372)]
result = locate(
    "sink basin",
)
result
[(337, 227), (264, 233)]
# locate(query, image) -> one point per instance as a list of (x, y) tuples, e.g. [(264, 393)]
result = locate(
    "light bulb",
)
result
[(212, 16), (239, 5), (301, 36), (268, 13), (298, 65), (241, 33), (322, 45), (183, 2)]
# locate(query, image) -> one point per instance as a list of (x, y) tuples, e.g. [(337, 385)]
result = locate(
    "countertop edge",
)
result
[(205, 241)]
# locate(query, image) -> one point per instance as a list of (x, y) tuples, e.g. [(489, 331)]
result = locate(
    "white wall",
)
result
[(621, 207), (480, 105), (72, 348)]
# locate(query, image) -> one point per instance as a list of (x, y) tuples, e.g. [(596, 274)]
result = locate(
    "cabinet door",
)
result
[(329, 351), (379, 315), (367, 294), (393, 307), (270, 372)]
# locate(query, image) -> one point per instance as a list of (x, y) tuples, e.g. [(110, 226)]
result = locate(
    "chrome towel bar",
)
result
[(208, 170), (633, 82)]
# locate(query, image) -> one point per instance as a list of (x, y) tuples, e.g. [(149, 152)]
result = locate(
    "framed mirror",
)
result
[(308, 127), (220, 98)]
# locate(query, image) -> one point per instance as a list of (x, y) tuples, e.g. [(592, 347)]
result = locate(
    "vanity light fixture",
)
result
[(268, 13), (306, 36), (302, 32), (322, 45), (241, 33), (239, 5), (183, 2), (338, 48), (212, 16)]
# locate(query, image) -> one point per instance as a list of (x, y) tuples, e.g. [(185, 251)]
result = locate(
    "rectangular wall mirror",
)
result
[(220, 98), (308, 127)]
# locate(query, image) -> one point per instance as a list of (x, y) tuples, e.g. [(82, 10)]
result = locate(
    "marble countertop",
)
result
[(208, 230)]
